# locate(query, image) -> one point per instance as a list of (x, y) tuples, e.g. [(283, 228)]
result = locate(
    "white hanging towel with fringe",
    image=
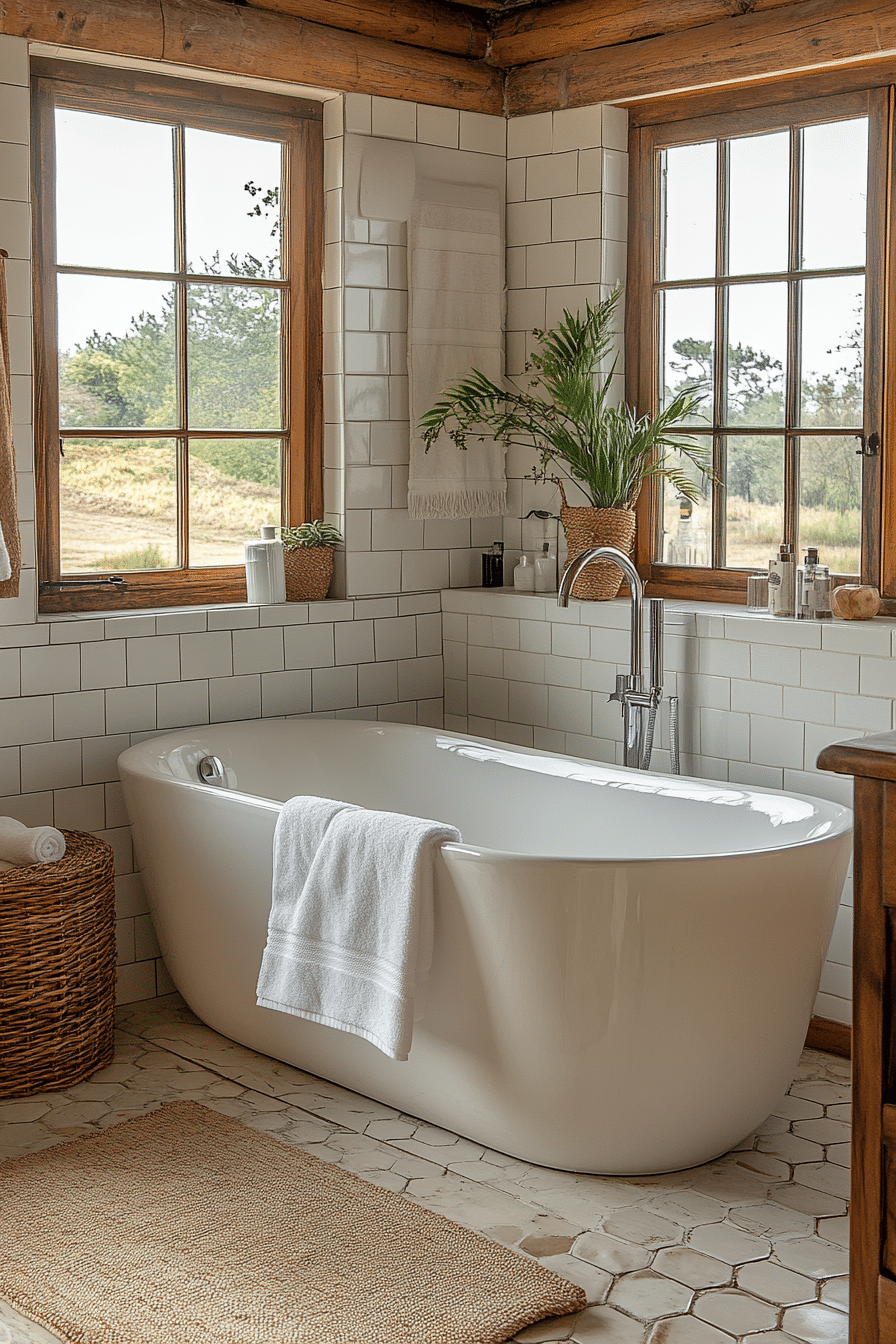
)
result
[(455, 321)]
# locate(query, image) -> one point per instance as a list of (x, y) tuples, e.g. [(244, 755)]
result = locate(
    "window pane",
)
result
[(831, 501), (758, 203), (689, 205), (754, 500), (835, 192), (116, 352), (687, 319), (233, 204), (687, 525), (757, 354), (114, 192), (118, 504), (234, 491), (833, 351), (233, 340)]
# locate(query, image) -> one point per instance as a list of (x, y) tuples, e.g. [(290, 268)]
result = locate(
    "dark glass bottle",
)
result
[(493, 566)]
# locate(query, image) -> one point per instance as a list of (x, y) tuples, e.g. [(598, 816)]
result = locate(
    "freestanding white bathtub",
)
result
[(625, 963)]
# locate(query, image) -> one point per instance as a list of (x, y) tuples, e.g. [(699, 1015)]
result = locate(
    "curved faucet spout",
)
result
[(620, 559)]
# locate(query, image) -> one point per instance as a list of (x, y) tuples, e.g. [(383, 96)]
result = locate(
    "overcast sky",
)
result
[(115, 208)]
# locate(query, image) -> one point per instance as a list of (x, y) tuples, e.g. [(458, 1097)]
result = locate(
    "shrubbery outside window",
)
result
[(178, 315)]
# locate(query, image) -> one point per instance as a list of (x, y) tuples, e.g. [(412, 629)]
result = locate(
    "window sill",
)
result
[(722, 620), (223, 616)]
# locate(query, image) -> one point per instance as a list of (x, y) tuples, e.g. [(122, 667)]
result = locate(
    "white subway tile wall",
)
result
[(567, 193), (387, 551), (519, 669)]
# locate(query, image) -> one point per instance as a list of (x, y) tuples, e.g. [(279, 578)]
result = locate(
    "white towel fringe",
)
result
[(465, 503)]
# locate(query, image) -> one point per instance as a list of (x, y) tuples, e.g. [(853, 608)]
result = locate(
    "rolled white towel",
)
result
[(29, 844)]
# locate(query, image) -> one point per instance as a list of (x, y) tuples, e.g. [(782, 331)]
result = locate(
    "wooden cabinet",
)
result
[(872, 1255)]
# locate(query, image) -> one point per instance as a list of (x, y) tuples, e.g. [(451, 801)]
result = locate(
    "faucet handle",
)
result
[(621, 687)]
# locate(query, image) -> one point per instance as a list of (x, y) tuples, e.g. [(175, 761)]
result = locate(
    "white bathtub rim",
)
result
[(839, 815)]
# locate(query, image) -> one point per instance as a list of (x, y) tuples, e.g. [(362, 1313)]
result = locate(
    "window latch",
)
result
[(60, 585), (870, 445)]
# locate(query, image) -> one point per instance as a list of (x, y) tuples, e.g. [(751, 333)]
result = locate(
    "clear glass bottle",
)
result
[(546, 570), (813, 589)]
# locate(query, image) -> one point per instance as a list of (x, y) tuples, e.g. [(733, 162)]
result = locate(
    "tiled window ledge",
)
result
[(79, 627), (704, 619)]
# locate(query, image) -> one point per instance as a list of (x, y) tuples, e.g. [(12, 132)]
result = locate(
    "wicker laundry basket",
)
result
[(57, 968)]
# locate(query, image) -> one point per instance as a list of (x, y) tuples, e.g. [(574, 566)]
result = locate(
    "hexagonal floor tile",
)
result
[(816, 1324), (724, 1242), (603, 1325), (735, 1312), (686, 1330), (691, 1267), (773, 1284), (617, 1257), (648, 1295)]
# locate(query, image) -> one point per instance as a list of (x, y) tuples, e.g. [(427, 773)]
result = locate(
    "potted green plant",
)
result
[(566, 413), (308, 559)]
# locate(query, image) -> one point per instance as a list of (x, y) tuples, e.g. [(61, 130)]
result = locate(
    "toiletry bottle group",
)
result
[(802, 590), (536, 573)]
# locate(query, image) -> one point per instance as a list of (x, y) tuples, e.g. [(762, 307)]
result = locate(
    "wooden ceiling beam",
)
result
[(420, 23), (806, 35), (237, 39), (543, 32)]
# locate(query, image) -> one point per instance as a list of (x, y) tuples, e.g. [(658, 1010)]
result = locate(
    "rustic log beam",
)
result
[(420, 23), (807, 35), (236, 39), (542, 32)]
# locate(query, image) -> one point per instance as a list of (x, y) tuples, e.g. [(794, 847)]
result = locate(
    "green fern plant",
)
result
[(608, 450), (305, 535)]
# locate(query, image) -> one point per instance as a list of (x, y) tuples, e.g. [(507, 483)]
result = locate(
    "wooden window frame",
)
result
[(722, 113), (215, 107)]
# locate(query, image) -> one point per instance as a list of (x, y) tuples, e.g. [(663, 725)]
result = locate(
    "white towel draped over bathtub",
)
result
[(350, 929)]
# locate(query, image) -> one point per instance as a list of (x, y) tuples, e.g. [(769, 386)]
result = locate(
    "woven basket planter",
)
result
[(57, 982), (309, 571), (586, 527)]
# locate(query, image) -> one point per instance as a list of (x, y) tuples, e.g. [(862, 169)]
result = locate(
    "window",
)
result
[(178, 333), (757, 276)]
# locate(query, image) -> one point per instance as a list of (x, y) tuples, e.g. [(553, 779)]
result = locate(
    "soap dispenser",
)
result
[(813, 589)]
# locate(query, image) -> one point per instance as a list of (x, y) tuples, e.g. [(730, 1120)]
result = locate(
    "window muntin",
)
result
[(743, 270), (188, 353)]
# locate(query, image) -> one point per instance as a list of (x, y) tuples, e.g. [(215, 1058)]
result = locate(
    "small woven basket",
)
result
[(57, 968), (309, 572), (586, 527)]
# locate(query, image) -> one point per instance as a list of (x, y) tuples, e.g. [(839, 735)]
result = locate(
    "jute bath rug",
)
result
[(186, 1227)]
